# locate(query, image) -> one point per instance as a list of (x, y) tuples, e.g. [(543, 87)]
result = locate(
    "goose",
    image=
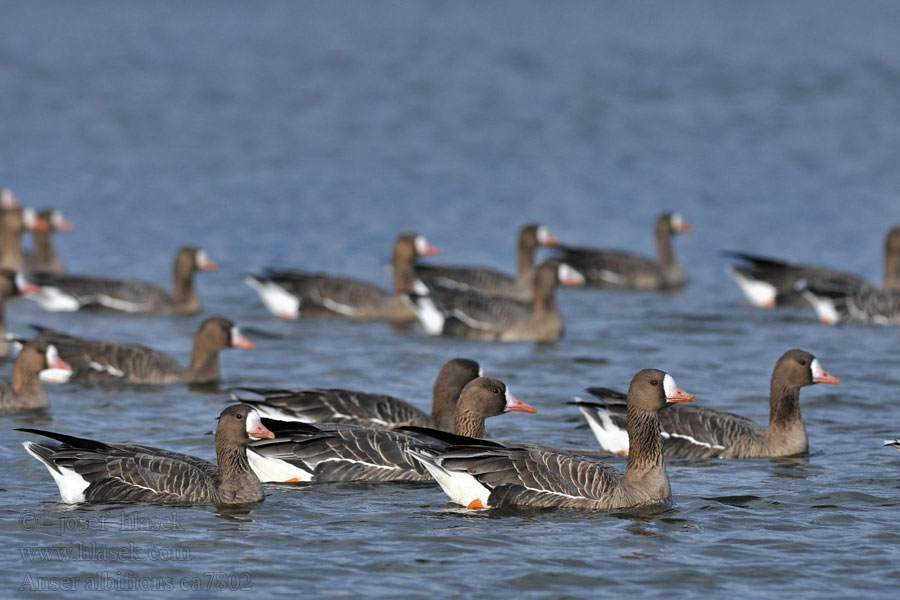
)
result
[(331, 452), (451, 312), (895, 443), (291, 294), (487, 475), (102, 361), (490, 281), (90, 471), (835, 305), (381, 411), (13, 221), (618, 269), (44, 257), (11, 284), (36, 361), (698, 432), (769, 282), (72, 292)]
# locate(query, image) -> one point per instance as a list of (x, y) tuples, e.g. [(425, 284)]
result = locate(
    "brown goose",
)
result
[(44, 257), (37, 360), (293, 294), (489, 281), (73, 292), (485, 475), (102, 361), (13, 221), (362, 408), (331, 452), (616, 269), (11, 284), (451, 312), (697, 432), (768, 282), (91, 471)]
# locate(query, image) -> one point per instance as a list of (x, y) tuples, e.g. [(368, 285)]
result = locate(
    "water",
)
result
[(309, 135)]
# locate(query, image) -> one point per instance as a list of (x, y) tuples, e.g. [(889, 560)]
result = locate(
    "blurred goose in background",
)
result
[(480, 474), (8, 199), (44, 256), (768, 282), (381, 411), (835, 305), (698, 432), (74, 292), (292, 294), (452, 312), (332, 452), (490, 281), (14, 221), (36, 361), (895, 443), (103, 361), (11, 284), (90, 471), (618, 269)]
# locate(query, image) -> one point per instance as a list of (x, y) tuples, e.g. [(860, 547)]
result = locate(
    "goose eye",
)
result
[(803, 362), (238, 417), (654, 382), (495, 390)]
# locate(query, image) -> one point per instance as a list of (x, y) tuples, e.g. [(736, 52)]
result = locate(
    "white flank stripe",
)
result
[(341, 309), (119, 304), (666, 434)]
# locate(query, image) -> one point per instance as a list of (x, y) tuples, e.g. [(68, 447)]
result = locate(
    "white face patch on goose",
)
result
[(253, 422), (543, 235), (481, 373), (29, 218), (201, 258), (423, 247), (669, 386), (676, 221), (569, 276), (816, 368)]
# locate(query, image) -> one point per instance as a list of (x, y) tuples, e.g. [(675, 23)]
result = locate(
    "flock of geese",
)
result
[(337, 435)]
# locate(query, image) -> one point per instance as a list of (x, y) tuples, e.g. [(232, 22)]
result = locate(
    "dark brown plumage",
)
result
[(697, 432), (90, 471), (332, 452), (103, 361), (44, 257), (291, 294), (480, 475), (73, 292), (14, 221)]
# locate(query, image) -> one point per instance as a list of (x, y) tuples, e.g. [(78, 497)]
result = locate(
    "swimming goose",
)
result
[(91, 471), (333, 452), (486, 475), (103, 361), (37, 360), (363, 408), (768, 282), (44, 257), (13, 221), (835, 305), (698, 432), (490, 281), (451, 312), (292, 294), (11, 284), (73, 292), (617, 269)]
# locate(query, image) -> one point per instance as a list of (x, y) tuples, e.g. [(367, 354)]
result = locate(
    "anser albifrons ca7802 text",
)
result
[(44, 257), (292, 294), (458, 313), (36, 360), (699, 432), (103, 361), (317, 405), (91, 471), (619, 269), (486, 475), (768, 282), (333, 452), (72, 292), (490, 281)]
